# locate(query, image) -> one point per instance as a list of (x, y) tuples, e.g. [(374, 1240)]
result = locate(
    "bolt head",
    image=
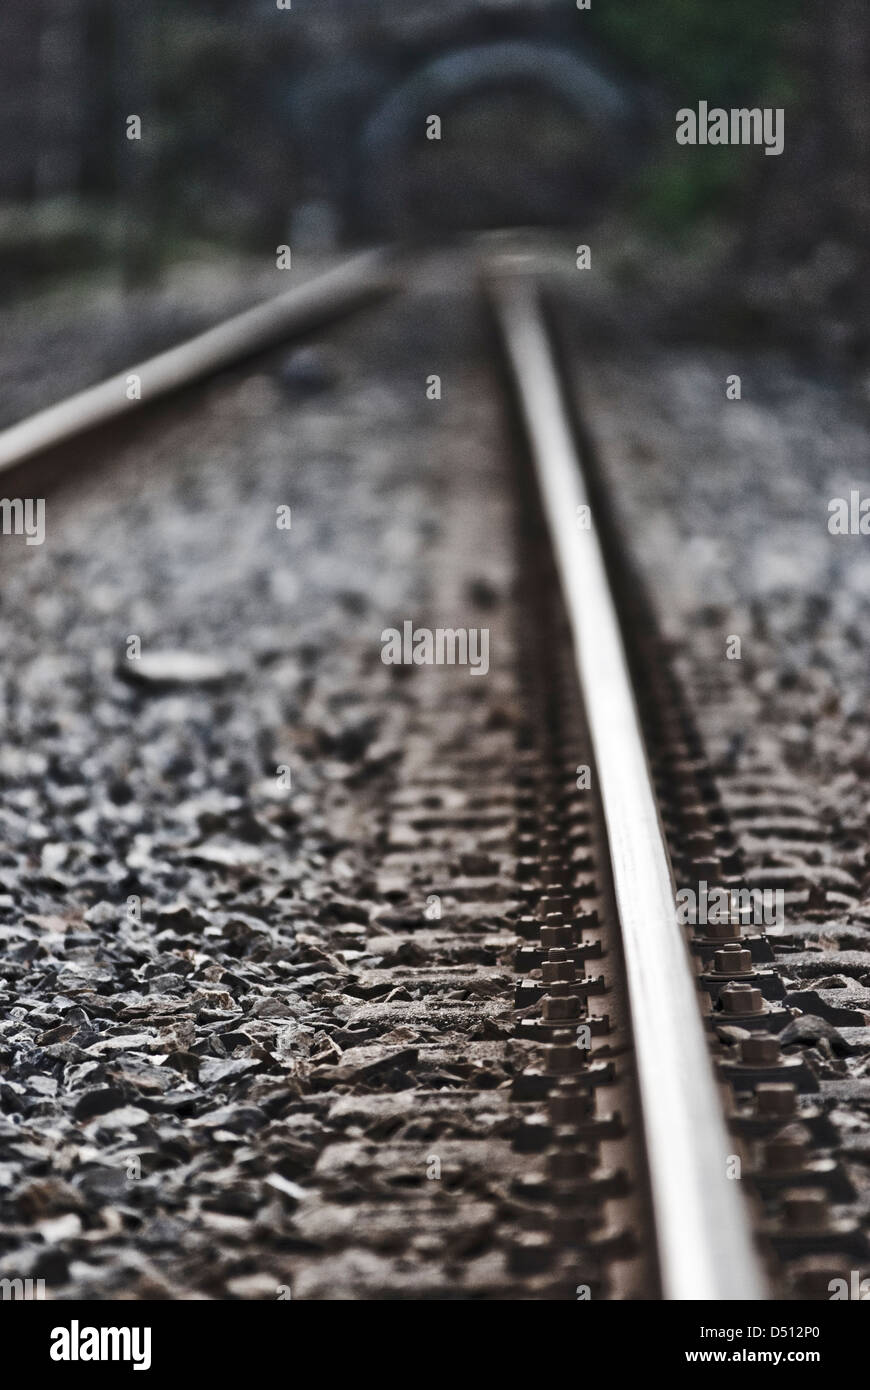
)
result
[(562, 1059), (776, 1098), (722, 931), (555, 971), (760, 1050), (806, 1209), (561, 1007), (531, 1252), (732, 960), (567, 1165), (569, 1107), (785, 1153), (742, 999)]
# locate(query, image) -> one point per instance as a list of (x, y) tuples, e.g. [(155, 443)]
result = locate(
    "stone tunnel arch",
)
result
[(564, 75)]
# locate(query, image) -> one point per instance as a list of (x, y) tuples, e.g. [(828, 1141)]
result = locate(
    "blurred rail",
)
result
[(348, 286)]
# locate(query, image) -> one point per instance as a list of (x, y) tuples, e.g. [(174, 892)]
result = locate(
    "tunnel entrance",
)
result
[(505, 159), (529, 133)]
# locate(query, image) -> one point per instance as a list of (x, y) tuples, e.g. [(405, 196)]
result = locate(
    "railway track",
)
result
[(704, 1239), (466, 1051)]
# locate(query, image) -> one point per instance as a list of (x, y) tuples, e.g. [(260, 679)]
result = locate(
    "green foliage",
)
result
[(726, 52), (673, 194), (713, 49)]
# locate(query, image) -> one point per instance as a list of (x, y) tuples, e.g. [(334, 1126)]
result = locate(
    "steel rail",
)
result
[(336, 291), (703, 1230)]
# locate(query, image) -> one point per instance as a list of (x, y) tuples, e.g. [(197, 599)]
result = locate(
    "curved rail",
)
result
[(703, 1232)]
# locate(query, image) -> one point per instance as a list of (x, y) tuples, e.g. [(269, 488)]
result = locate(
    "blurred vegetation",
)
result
[(714, 51), (215, 80), (728, 54), (246, 116), (223, 153)]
